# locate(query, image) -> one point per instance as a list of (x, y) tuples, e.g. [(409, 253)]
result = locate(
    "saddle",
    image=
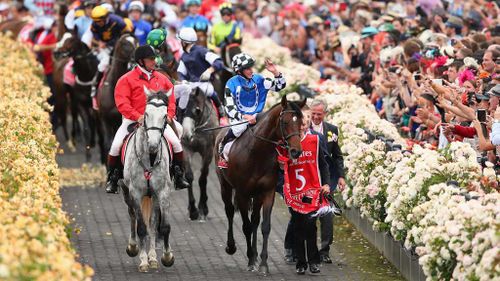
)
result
[(132, 129)]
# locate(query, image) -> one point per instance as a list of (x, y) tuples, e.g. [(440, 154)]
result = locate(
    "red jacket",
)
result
[(130, 98), (466, 132), (45, 38), (209, 6)]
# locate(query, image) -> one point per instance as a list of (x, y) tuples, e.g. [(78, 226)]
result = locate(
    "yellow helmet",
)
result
[(226, 7), (99, 13), (79, 13)]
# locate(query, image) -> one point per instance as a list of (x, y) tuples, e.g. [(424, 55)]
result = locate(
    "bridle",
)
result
[(202, 122), (282, 124), (147, 167)]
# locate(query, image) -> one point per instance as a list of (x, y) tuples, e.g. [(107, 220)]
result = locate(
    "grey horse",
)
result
[(146, 184), (199, 114)]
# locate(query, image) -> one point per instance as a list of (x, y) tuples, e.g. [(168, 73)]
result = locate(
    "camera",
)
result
[(395, 69), (481, 115)]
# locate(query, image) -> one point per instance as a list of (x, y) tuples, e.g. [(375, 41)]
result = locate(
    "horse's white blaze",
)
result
[(65, 37), (188, 126), (131, 40), (154, 118)]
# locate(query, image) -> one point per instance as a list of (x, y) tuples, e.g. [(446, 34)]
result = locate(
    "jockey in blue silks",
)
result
[(245, 97), (195, 69)]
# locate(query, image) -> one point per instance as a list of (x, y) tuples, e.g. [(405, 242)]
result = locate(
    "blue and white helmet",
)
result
[(242, 61)]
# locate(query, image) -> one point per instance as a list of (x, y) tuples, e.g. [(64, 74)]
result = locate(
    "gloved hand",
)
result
[(205, 76)]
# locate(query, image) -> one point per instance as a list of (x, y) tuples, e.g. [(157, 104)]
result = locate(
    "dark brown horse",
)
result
[(252, 174), (109, 117), (227, 54), (12, 27), (169, 64), (85, 67)]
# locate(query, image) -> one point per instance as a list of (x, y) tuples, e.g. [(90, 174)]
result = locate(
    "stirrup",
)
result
[(222, 163)]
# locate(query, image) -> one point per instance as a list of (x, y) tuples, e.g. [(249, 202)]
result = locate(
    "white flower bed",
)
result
[(454, 230)]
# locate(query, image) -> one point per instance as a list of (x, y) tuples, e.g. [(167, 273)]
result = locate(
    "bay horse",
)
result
[(147, 184), (252, 174), (85, 67), (200, 113), (12, 27), (109, 117), (227, 54), (169, 64)]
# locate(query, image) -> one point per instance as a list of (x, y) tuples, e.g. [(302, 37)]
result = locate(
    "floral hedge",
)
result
[(34, 231), (439, 204)]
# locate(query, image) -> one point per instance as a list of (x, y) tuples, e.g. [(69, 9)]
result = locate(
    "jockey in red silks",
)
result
[(130, 100)]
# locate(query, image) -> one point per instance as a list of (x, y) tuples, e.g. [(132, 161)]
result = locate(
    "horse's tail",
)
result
[(146, 207)]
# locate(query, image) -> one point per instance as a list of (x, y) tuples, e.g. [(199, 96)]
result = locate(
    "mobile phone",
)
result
[(417, 76), (481, 115), (438, 81)]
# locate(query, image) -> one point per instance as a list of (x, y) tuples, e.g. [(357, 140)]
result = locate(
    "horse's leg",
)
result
[(167, 258), (132, 249), (257, 205), (202, 182), (153, 226), (86, 129), (142, 231), (193, 211), (266, 229), (243, 205), (101, 138), (73, 106), (227, 197)]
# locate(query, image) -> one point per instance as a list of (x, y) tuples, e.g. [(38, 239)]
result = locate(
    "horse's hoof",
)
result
[(153, 264), (132, 250), (264, 270), (168, 259), (230, 249), (252, 268), (143, 268), (203, 218), (194, 215)]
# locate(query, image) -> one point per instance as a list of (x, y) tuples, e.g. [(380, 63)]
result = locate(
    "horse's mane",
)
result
[(293, 104), (161, 95)]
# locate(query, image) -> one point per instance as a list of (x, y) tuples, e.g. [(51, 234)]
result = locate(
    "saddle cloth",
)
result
[(126, 144)]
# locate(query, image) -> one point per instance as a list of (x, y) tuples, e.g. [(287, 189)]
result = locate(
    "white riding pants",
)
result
[(104, 57), (238, 130), (182, 91), (169, 134)]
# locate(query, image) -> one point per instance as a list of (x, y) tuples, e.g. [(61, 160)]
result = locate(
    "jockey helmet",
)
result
[(136, 5), (226, 8), (156, 37), (88, 3), (109, 7), (242, 61), (201, 26), (188, 35), (79, 13), (193, 2), (99, 13), (144, 52)]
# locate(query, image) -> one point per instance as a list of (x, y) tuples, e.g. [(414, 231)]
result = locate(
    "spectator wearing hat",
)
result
[(364, 60), (453, 27)]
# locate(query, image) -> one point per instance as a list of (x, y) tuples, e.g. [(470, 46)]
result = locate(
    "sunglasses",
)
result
[(226, 14)]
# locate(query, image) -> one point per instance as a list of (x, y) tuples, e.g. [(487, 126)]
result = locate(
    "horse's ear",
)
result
[(302, 102), (147, 91), (284, 102)]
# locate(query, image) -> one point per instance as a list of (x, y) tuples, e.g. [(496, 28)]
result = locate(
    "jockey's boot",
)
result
[(227, 138), (180, 181), (113, 174), (220, 108)]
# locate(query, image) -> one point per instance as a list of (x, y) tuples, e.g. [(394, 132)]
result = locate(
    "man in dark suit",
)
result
[(331, 134)]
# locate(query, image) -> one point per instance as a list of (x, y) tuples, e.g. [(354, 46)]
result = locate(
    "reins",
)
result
[(284, 141), (148, 168)]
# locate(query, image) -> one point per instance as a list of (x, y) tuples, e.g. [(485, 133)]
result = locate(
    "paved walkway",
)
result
[(102, 224)]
